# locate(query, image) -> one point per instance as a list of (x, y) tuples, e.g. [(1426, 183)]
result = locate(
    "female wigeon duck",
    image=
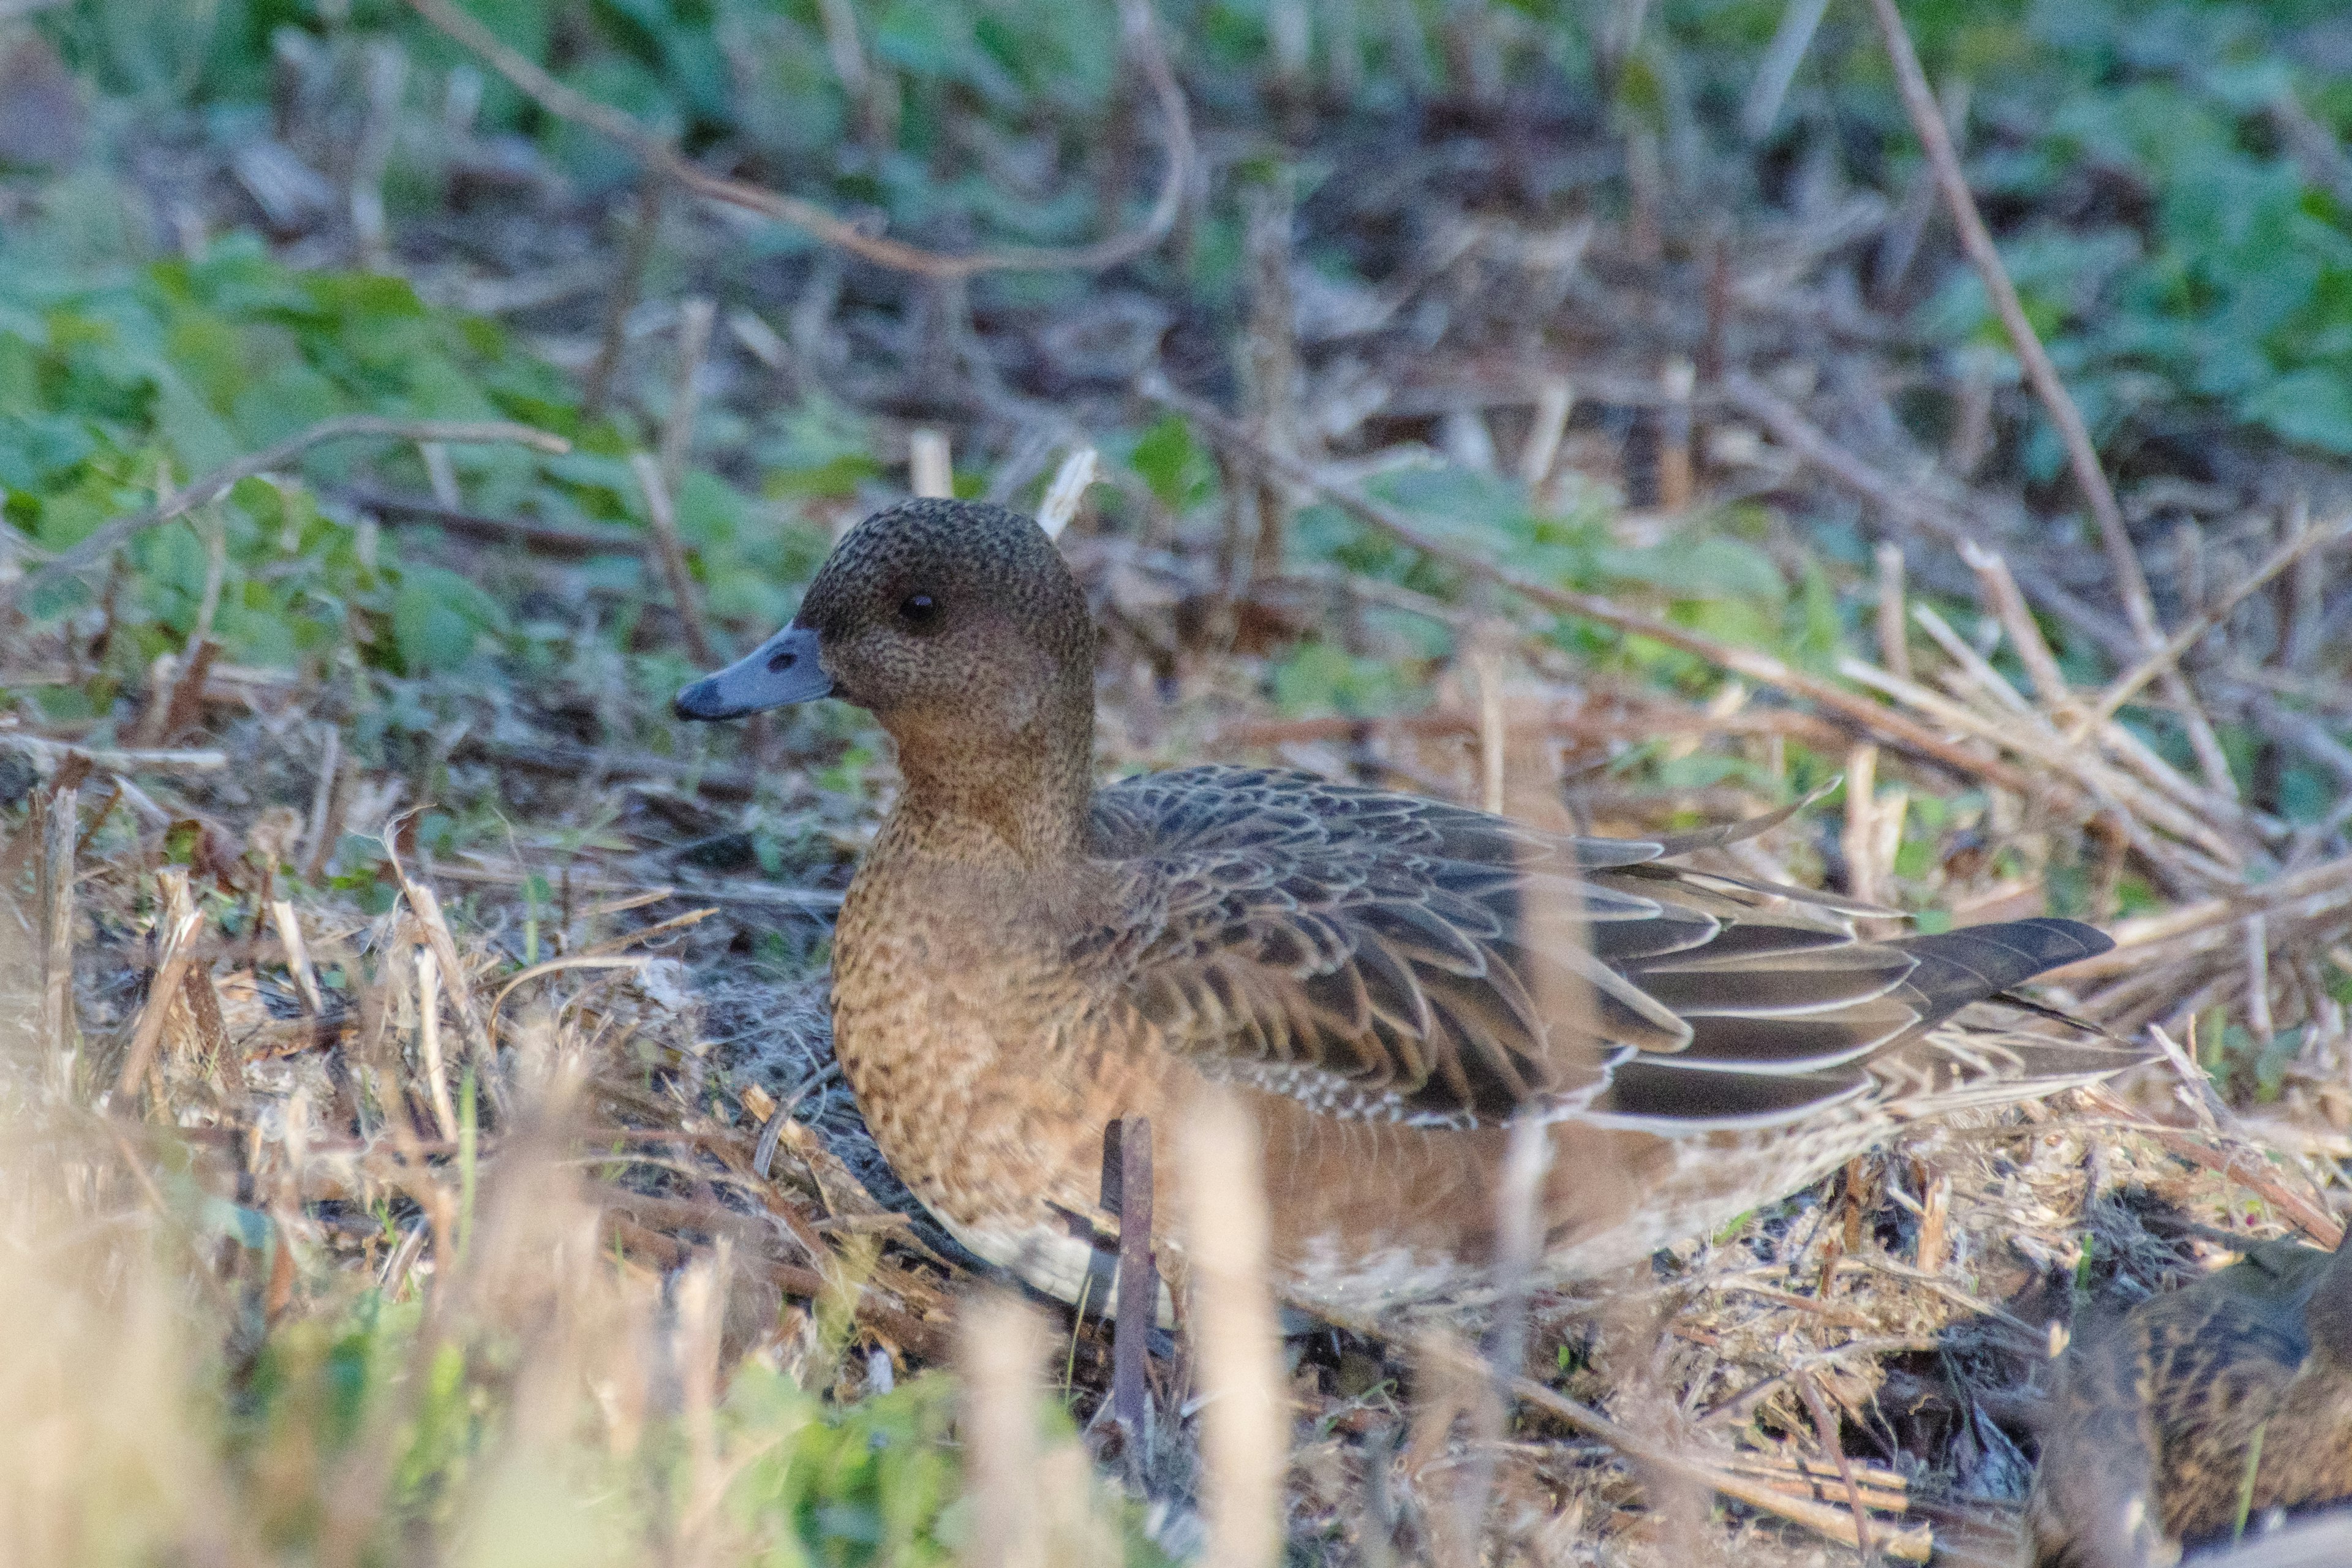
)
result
[(2198, 1411), (1389, 982)]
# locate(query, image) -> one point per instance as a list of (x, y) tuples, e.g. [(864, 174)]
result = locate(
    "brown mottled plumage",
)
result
[(1390, 981), (2152, 1429)]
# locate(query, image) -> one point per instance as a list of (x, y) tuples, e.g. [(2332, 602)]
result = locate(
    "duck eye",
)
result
[(919, 610)]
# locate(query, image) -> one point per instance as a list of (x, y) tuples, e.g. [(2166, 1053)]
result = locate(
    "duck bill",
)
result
[(780, 670)]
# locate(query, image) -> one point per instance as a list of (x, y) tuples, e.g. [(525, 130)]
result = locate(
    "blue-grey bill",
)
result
[(782, 669)]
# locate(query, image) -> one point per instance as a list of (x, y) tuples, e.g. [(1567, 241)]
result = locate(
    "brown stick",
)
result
[(1138, 1295), (670, 553), (566, 103), (106, 539)]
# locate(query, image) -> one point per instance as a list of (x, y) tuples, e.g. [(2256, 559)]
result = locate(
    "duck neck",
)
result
[(1019, 803)]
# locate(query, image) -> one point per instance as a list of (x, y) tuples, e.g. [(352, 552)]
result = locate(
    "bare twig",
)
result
[(1244, 1424), (1138, 1295), (567, 103), (109, 538), (670, 553)]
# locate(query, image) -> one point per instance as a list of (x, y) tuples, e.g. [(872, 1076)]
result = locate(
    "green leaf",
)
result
[(438, 618)]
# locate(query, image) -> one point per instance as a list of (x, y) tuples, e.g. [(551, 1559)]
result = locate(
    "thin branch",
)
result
[(567, 103), (220, 481)]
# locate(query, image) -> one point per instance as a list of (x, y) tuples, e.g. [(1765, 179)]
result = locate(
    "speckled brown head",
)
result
[(958, 625)]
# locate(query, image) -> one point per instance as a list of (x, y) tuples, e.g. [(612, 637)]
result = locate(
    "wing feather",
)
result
[(1378, 955)]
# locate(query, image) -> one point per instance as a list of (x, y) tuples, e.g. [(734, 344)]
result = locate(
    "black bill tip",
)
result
[(783, 670)]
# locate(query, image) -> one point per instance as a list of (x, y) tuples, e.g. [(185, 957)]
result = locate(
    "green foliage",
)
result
[(2220, 277)]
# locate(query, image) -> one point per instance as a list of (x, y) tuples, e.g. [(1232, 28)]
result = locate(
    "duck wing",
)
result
[(1386, 956)]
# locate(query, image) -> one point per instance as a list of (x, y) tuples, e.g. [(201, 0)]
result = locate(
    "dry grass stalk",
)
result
[(930, 472), (1001, 1345), (1894, 635), (670, 554), (426, 910), (1555, 400), (1244, 1419), (428, 1041), (1068, 488), (177, 929)]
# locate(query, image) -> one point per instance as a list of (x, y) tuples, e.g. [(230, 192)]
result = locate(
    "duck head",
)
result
[(958, 625)]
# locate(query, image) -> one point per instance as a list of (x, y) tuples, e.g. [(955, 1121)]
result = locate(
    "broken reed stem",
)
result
[(930, 464), (1861, 839), (1244, 1445), (1894, 631), (178, 935), (429, 1042), (2006, 603), (1001, 1347), (1494, 730), (1069, 488), (106, 539), (298, 956), (670, 554), (1139, 27)]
